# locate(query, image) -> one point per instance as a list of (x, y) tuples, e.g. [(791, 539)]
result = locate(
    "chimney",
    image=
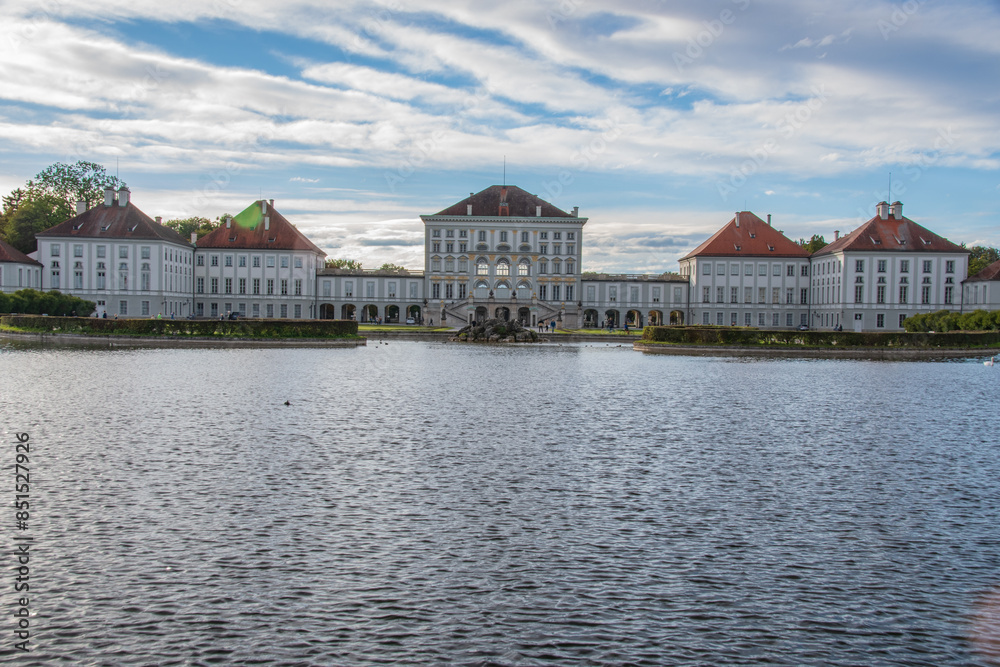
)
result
[(538, 211), (882, 209), (109, 196), (267, 222), (194, 237), (468, 209), (576, 211), (737, 218), (159, 220), (897, 210), (768, 219), (123, 196), (270, 202), (836, 235), (81, 207)]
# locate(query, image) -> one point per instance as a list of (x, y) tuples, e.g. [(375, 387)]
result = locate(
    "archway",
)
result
[(676, 317), (481, 314), (369, 313), (633, 318), (392, 314), (655, 318), (347, 311), (503, 313), (590, 319), (611, 316), (413, 313), (524, 315), (327, 311)]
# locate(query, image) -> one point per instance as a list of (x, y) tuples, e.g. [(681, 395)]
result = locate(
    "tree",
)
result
[(49, 199), (82, 181), (817, 242), (197, 224), (350, 264), (19, 225), (388, 266), (980, 257)]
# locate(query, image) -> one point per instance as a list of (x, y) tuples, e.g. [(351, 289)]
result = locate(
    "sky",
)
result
[(658, 119)]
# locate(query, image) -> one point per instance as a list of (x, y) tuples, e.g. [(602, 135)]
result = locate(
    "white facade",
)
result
[(368, 296), (636, 300)]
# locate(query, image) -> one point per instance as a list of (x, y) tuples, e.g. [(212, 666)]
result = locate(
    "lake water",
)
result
[(429, 503)]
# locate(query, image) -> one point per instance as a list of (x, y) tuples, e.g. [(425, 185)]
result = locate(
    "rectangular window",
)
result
[(229, 285), (720, 294), (555, 292), (776, 295), (762, 269), (284, 261), (804, 296), (925, 294), (734, 295), (144, 308), (720, 268), (256, 285), (719, 318), (928, 265), (633, 294), (949, 266), (569, 292), (789, 321), (732, 319), (270, 262), (949, 294), (903, 293), (123, 307), (859, 266), (298, 310), (591, 293), (543, 249), (677, 294), (213, 260), (880, 321), (298, 287), (78, 250), (734, 269), (747, 295), (214, 286), (102, 251), (747, 319), (748, 269), (242, 261), (761, 295), (881, 265), (776, 270), (804, 270), (256, 261), (904, 266), (270, 287), (284, 287), (613, 293), (706, 294), (436, 291), (413, 290), (284, 310), (760, 320), (790, 271), (298, 263), (542, 292), (503, 237), (656, 295), (859, 293), (269, 309), (789, 295), (557, 235), (200, 286), (243, 285), (880, 294), (706, 268), (705, 318), (200, 260)]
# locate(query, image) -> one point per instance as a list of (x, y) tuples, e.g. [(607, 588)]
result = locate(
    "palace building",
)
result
[(501, 252)]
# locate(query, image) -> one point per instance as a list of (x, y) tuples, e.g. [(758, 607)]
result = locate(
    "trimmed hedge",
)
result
[(762, 338), (946, 320), (52, 302), (275, 328)]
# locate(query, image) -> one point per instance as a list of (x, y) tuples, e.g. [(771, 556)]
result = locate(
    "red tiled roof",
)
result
[(891, 235), (751, 238), (247, 232), (520, 204), (991, 272), (114, 222), (9, 253)]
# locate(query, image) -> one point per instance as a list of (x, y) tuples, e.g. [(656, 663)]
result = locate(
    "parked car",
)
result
[(410, 320), (803, 327)]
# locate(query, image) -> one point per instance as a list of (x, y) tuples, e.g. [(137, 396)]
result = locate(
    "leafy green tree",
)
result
[(817, 242), (388, 266), (81, 181), (980, 257), (32, 214), (48, 303), (351, 264), (197, 224), (50, 198)]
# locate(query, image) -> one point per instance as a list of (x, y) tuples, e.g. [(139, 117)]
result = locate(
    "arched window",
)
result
[(503, 267), (524, 268), (482, 267)]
